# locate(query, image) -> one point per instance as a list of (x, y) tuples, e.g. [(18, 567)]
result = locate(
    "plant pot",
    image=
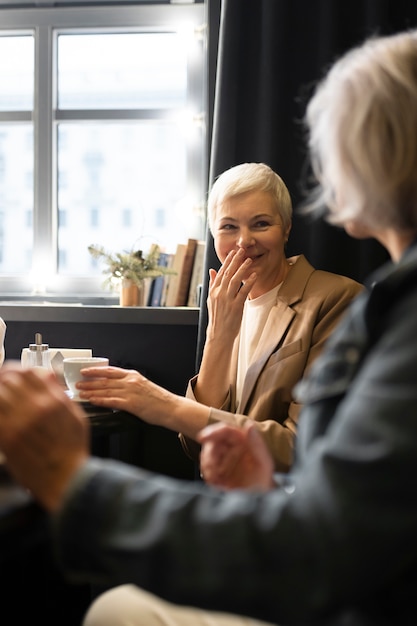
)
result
[(130, 293)]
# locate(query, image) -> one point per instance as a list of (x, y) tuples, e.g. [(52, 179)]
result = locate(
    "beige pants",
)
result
[(128, 605)]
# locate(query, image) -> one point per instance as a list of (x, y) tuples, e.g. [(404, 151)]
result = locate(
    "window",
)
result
[(102, 138)]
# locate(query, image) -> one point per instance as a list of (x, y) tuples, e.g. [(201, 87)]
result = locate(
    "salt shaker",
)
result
[(39, 354)]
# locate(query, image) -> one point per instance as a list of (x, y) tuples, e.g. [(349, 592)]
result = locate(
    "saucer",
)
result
[(76, 399), (81, 400), (87, 406)]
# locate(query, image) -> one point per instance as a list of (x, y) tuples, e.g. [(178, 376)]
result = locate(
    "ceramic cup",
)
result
[(72, 367)]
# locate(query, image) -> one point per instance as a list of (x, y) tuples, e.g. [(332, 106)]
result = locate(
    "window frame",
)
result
[(46, 24)]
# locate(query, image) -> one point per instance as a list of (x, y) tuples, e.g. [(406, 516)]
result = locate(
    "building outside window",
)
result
[(102, 138)]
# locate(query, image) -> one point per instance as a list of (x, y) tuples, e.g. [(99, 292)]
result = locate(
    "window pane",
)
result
[(122, 71), (16, 198), (16, 73), (115, 170), (110, 102)]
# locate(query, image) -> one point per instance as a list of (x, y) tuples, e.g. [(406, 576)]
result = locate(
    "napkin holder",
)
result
[(57, 357)]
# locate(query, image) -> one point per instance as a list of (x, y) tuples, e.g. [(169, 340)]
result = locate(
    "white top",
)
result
[(255, 314)]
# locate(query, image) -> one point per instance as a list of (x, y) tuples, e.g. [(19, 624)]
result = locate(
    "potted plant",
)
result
[(127, 271)]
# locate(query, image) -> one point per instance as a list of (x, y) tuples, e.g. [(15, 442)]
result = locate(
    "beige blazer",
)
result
[(309, 305)]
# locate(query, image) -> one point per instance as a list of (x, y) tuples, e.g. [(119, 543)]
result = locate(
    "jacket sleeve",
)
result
[(340, 293), (191, 447)]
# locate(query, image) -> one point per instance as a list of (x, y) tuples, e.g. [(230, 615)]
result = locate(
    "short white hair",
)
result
[(250, 177)]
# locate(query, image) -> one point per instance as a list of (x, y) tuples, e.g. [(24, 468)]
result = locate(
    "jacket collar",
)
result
[(390, 269), (279, 319)]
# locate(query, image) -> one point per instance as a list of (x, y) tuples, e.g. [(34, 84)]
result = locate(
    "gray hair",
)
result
[(250, 177), (362, 123)]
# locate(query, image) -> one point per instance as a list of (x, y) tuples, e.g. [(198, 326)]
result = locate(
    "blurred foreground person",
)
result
[(335, 544)]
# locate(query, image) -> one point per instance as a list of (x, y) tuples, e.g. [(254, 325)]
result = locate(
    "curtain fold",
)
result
[(268, 55)]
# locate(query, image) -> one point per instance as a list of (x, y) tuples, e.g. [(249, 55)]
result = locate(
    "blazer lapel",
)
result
[(279, 319), (275, 328)]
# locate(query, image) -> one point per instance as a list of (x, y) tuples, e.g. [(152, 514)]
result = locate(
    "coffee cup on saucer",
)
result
[(72, 371)]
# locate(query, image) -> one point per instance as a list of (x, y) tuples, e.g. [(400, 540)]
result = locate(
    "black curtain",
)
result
[(265, 56)]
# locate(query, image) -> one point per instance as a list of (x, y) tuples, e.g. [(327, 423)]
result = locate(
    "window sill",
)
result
[(51, 311)]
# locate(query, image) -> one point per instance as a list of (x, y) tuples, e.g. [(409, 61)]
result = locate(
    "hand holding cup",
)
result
[(73, 367)]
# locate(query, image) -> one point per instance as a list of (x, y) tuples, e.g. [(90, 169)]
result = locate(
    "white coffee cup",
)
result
[(73, 366)]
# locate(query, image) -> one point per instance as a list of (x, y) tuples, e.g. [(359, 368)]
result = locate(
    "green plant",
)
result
[(133, 265)]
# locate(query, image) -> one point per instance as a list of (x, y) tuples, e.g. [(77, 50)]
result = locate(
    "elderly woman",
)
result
[(269, 315), (269, 318)]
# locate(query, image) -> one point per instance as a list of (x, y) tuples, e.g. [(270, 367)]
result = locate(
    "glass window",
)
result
[(16, 197), (145, 70), (101, 138), (140, 165), (127, 217), (17, 58)]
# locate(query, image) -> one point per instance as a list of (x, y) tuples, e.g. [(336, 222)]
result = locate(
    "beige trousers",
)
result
[(128, 605)]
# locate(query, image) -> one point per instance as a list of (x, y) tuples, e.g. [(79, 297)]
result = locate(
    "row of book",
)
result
[(182, 287)]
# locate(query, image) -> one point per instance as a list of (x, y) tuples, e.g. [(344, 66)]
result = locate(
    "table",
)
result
[(18, 511), (31, 584), (32, 587)]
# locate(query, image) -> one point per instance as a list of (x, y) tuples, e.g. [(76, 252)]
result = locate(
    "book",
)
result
[(147, 287), (173, 282), (179, 284), (158, 283), (194, 293), (186, 272), (167, 279)]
